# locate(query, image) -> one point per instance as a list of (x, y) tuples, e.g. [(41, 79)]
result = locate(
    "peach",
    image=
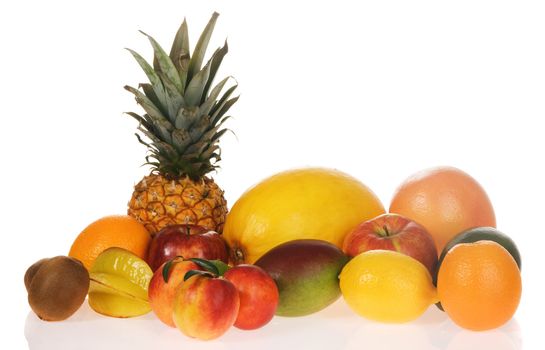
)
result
[(162, 288), (205, 306), (258, 295)]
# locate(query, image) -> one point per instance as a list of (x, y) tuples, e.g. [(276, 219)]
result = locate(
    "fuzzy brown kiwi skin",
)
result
[(56, 287), (31, 271)]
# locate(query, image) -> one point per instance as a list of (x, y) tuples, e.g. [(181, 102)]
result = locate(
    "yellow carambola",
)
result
[(119, 284)]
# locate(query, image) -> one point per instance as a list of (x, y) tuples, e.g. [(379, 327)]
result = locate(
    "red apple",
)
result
[(258, 295), (189, 241), (205, 306), (393, 232), (163, 285)]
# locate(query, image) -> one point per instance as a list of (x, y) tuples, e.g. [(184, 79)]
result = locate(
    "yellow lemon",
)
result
[(309, 203), (387, 286)]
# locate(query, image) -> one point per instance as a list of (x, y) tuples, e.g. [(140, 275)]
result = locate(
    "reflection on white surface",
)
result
[(336, 327)]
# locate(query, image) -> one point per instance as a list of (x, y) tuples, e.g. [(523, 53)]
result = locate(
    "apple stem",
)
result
[(385, 228), (188, 231)]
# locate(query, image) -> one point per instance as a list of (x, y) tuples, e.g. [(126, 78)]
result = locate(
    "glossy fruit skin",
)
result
[(205, 307), (484, 234), (120, 231), (479, 285), (306, 273), (479, 234), (188, 241), (393, 232), (161, 294), (56, 287), (119, 284), (258, 295), (445, 200), (387, 286), (308, 203)]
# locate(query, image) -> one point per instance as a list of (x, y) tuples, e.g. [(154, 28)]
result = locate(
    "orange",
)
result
[(120, 231), (446, 201), (479, 285)]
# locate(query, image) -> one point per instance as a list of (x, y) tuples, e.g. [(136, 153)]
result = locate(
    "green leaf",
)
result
[(197, 58), (192, 273), (160, 123), (150, 72), (164, 148), (198, 128), (207, 105), (186, 117), (150, 93), (221, 266), (222, 100), (218, 135), (142, 141), (140, 119), (209, 152), (209, 134), (175, 99), (221, 112), (150, 135), (181, 139), (179, 53), (207, 265), (195, 149), (166, 270), (195, 88), (168, 266), (154, 79), (165, 63), (160, 132), (216, 60)]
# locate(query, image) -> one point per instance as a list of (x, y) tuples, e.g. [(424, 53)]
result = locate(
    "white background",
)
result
[(380, 90)]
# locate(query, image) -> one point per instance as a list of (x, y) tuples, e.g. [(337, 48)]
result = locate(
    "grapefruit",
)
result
[(446, 201)]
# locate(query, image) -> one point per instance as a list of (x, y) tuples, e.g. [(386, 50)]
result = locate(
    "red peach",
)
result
[(205, 307), (161, 293), (258, 295)]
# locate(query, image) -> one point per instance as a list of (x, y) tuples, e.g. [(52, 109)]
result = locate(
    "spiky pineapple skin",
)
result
[(158, 202)]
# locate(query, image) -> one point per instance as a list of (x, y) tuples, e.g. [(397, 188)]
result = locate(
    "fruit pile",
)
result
[(290, 246)]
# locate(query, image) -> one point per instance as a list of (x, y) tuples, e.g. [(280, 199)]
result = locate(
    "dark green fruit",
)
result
[(306, 272), (56, 287), (479, 234)]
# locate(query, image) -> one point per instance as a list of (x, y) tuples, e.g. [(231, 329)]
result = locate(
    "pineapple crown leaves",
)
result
[(184, 111)]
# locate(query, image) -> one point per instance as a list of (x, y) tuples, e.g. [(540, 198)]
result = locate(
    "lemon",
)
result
[(387, 286), (307, 203)]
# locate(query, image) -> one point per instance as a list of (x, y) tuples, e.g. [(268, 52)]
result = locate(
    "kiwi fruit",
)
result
[(31, 271), (56, 287)]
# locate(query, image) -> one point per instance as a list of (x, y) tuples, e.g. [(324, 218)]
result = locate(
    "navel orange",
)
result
[(120, 231), (479, 285)]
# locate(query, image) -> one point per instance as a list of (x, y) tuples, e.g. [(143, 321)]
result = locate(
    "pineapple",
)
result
[(182, 125)]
